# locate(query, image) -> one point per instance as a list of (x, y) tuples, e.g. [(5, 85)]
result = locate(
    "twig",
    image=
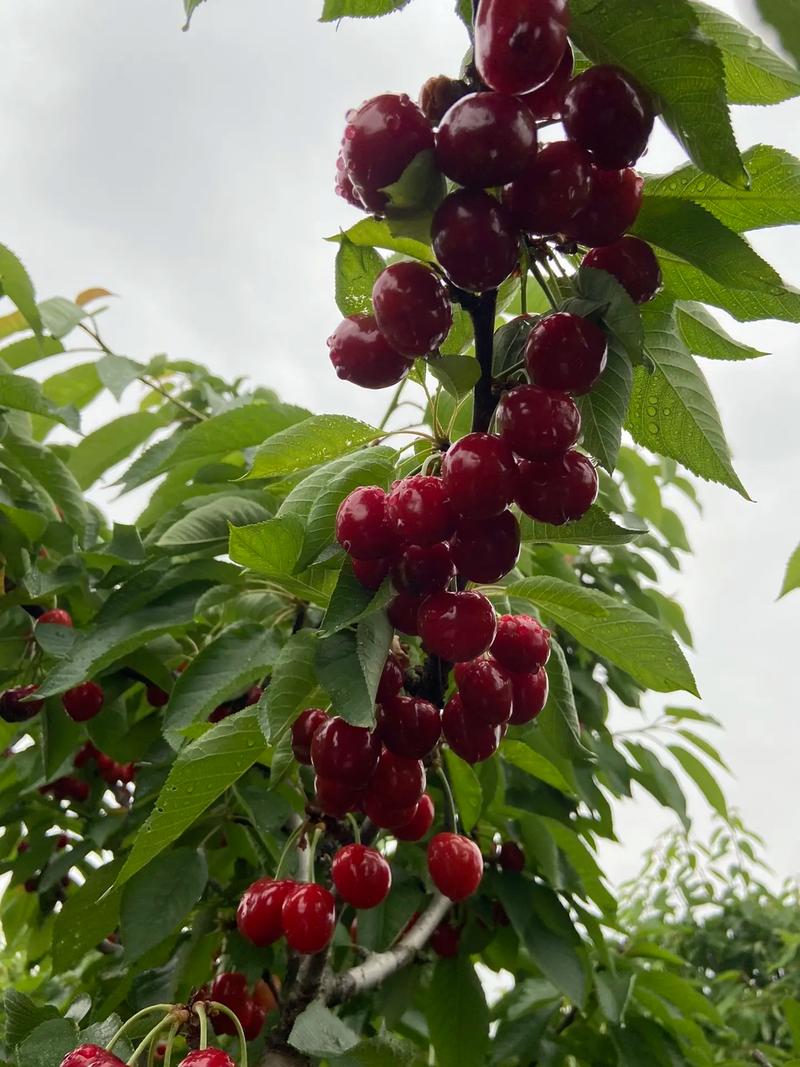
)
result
[(759, 1057)]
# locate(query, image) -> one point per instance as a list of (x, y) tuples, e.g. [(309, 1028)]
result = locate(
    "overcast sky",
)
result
[(192, 174)]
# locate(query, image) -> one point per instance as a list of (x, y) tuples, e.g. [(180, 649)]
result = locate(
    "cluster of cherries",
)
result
[(251, 1006)]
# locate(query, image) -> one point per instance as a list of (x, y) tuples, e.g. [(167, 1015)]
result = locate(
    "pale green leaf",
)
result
[(791, 580), (111, 444), (18, 287), (378, 233), (702, 778), (467, 790), (357, 267), (595, 528), (309, 443), (704, 336), (359, 9)]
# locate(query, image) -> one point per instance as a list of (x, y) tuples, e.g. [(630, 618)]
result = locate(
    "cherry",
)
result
[(252, 696), (303, 730), (566, 352), (409, 726), (511, 857), (391, 680), (231, 990), (553, 189), (614, 203), (479, 473), (209, 1057), (530, 696), (263, 995), (83, 702), (520, 43), (309, 918), (397, 780), (474, 741), (361, 354), (538, 423), (91, 1056), (361, 875), (336, 799), (156, 697), (363, 526), (446, 940), (85, 753), (402, 612), (559, 490), (412, 308), (342, 184), (547, 103), (485, 550), (474, 240), (455, 865), (258, 916), (609, 114), (55, 617), (522, 643), (14, 707), (633, 263), (386, 814), (371, 572), (347, 754), (61, 842), (419, 824), (421, 569), (68, 788), (485, 139), (456, 626), (485, 690), (420, 510), (220, 712)]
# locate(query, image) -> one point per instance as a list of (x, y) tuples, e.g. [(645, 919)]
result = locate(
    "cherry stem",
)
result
[(356, 828), (123, 1030), (313, 852), (202, 1015), (543, 284), (394, 403), (451, 804), (291, 842), (173, 1033), (149, 1039), (215, 1006)]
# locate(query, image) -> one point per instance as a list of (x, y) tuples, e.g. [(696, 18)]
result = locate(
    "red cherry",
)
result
[(522, 643), (633, 263), (258, 916), (83, 702), (475, 240), (382, 137), (309, 918), (335, 799), (566, 352), (409, 726), (391, 681), (342, 184), (55, 617), (538, 423), (421, 569), (385, 814), (14, 707), (614, 203), (252, 696), (397, 780), (361, 875), (68, 788), (253, 1021), (420, 510), (446, 940), (511, 857), (363, 526), (479, 474), (530, 696), (455, 864), (220, 712), (156, 697), (520, 43), (85, 754), (231, 990), (547, 103), (485, 690), (371, 572), (412, 308), (609, 113), (209, 1057), (485, 139), (362, 355), (553, 189), (345, 753), (557, 491), (419, 824), (457, 626), (303, 730), (474, 741), (91, 1056), (485, 550), (402, 612)]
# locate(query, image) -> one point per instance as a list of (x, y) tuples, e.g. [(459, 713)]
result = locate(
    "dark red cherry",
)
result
[(479, 474), (258, 916), (210, 1057), (419, 824), (409, 726), (342, 184), (14, 707), (420, 510), (252, 696), (633, 263), (546, 104), (422, 569), (156, 697), (220, 712), (446, 940), (363, 527), (371, 572), (530, 696), (538, 423), (91, 1056), (382, 137), (485, 139), (335, 798), (557, 490), (361, 875), (520, 43), (303, 730), (83, 702), (485, 690), (485, 550), (455, 865), (362, 355), (391, 680), (474, 741), (475, 240), (385, 814), (522, 643), (456, 626), (345, 753), (553, 189), (231, 990), (397, 780), (610, 114), (55, 617), (566, 352), (412, 308), (612, 208), (402, 612), (309, 918), (511, 857)]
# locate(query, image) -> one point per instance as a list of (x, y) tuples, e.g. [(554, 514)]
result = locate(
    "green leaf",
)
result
[(784, 15), (90, 913), (309, 443), (318, 1032), (272, 548), (357, 267), (118, 372), (685, 282), (349, 666), (660, 45), (201, 773), (791, 1011), (292, 686), (457, 1014), (189, 7), (659, 781), (530, 761), (622, 634), (31, 350), (350, 601), (467, 790), (595, 528), (234, 430), (111, 444), (22, 1016), (387, 1050), (704, 336), (359, 9), (559, 722), (48, 1044), (60, 316), (672, 411), (702, 778), (77, 386), (681, 993), (378, 233), (419, 189), (457, 374), (25, 394), (509, 345), (46, 470), (791, 579), (18, 287), (603, 410), (616, 309), (156, 901)]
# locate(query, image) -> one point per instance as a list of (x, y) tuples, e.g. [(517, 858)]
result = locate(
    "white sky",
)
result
[(193, 175)]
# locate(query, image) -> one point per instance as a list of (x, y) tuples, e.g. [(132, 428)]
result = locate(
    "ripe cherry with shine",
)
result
[(363, 527), (258, 916), (420, 823), (412, 308), (633, 263), (485, 550), (455, 864), (478, 473), (612, 208), (609, 114), (83, 702), (475, 240), (469, 737), (309, 918), (345, 753), (409, 726), (551, 191), (303, 730), (55, 617), (522, 643), (457, 626), (422, 569), (361, 354), (210, 1057), (486, 139), (559, 490), (538, 423), (485, 690), (421, 510), (530, 696), (566, 352), (91, 1056), (361, 875), (520, 43)]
